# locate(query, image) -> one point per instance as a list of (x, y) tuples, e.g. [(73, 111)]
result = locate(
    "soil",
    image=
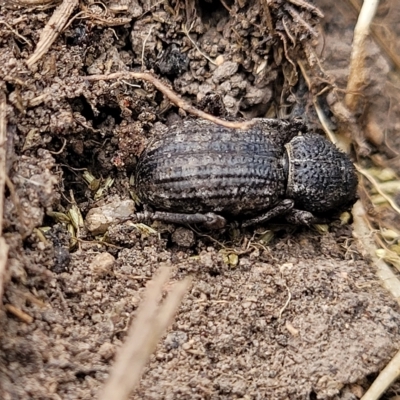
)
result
[(274, 312)]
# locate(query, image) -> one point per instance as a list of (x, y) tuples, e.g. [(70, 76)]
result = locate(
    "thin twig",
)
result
[(344, 116), (186, 31), (172, 96), (144, 334), (289, 298), (287, 30), (286, 303), (308, 6), (130, 84), (76, 16), (38, 100), (284, 41), (226, 6), (15, 199), (341, 142), (22, 315), (15, 32), (144, 44), (300, 21), (104, 19), (62, 148)]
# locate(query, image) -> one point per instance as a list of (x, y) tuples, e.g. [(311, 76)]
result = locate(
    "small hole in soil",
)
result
[(68, 295), (120, 335), (211, 11), (124, 43), (214, 273), (81, 105), (20, 44), (106, 112), (82, 375), (10, 87), (77, 35)]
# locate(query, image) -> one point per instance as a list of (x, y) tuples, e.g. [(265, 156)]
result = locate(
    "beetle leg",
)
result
[(301, 217), (210, 220), (282, 208)]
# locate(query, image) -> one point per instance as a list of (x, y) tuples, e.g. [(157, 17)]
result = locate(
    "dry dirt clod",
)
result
[(102, 264), (99, 219), (183, 237)]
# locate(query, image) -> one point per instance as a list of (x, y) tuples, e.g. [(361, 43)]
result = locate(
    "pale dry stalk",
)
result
[(33, 3), (368, 248), (53, 28), (381, 38), (386, 377), (3, 136), (357, 80), (144, 334), (357, 76)]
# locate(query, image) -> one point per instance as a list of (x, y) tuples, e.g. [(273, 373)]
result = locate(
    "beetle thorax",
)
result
[(320, 177)]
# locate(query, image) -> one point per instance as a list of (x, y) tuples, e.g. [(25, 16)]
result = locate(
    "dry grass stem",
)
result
[(144, 45), (36, 3), (186, 31), (357, 76), (386, 377), (308, 6), (100, 20), (368, 248), (172, 96), (3, 136), (144, 334), (341, 141), (380, 39), (23, 316), (299, 20), (53, 28), (377, 187), (3, 264), (38, 100), (286, 303), (323, 119), (23, 38)]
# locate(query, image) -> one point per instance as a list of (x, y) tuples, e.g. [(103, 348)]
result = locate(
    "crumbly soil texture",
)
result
[(276, 312)]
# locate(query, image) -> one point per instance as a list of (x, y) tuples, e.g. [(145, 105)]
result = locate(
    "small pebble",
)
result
[(100, 218), (102, 264), (184, 237)]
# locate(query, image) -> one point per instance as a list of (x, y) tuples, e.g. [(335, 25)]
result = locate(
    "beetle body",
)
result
[(201, 167)]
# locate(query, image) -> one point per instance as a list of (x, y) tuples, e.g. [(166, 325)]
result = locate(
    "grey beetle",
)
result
[(200, 172)]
